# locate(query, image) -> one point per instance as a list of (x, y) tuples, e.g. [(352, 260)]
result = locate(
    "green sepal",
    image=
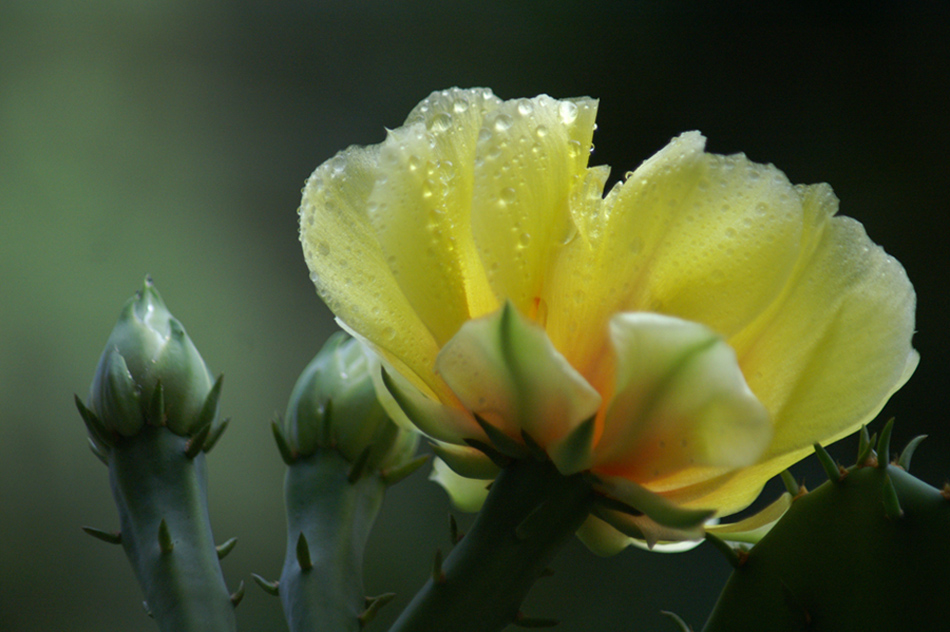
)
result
[(97, 451), (537, 452), (165, 543), (225, 547), (892, 504), (270, 587), (832, 469), (393, 475), (573, 454), (865, 447), (303, 553), (884, 444), (502, 442), (654, 506), (288, 455), (237, 595), (97, 430), (904, 460), (196, 443), (463, 462), (214, 435), (111, 537), (210, 408), (373, 606), (500, 460)]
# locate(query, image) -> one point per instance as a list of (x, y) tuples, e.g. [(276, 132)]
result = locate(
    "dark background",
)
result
[(173, 138)]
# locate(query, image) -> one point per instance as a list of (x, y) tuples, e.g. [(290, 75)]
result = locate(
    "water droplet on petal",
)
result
[(568, 112), (323, 248), (541, 131), (525, 108), (508, 195), (502, 123), (441, 122)]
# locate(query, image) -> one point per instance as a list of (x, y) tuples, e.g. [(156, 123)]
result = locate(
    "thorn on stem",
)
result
[(237, 595), (196, 443), (834, 471), (112, 537), (225, 547), (288, 455), (165, 543), (303, 553), (359, 465), (373, 606), (270, 587)]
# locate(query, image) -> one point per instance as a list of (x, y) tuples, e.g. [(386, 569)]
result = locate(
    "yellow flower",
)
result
[(684, 338)]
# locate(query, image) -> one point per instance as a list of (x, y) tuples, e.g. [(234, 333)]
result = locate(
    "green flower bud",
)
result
[(334, 405), (148, 347)]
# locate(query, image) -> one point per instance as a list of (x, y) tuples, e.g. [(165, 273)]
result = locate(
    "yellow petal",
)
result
[(680, 402), (530, 154), (420, 209), (504, 369), (468, 494), (752, 529), (704, 237), (349, 268)]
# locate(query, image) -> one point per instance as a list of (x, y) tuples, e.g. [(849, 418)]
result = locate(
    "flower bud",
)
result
[(149, 348), (334, 405)]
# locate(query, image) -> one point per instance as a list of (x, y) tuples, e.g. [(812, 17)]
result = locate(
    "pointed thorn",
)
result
[(908, 453), (454, 536), (214, 435), (96, 450), (832, 469), (112, 537), (373, 606), (884, 444), (534, 447), (156, 406), (148, 610), (288, 455), (732, 555), (791, 485), (866, 455), (210, 408), (197, 442), (270, 587), (303, 553), (359, 465), (494, 455), (892, 504), (522, 621), (97, 430), (225, 547), (675, 618), (502, 442), (238, 595), (393, 475), (165, 543), (438, 575)]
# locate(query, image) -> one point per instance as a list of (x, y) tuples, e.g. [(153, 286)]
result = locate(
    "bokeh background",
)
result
[(173, 137)]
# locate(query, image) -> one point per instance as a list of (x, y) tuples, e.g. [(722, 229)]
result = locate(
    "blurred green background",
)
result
[(173, 138)]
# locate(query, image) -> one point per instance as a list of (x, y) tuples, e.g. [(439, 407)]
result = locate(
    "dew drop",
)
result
[(573, 148), (567, 112), (523, 240), (441, 122), (508, 196), (541, 131), (502, 123), (323, 248), (525, 108), (460, 106)]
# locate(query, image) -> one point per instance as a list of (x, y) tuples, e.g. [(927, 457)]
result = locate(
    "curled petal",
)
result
[(750, 530), (504, 369), (680, 402), (468, 494)]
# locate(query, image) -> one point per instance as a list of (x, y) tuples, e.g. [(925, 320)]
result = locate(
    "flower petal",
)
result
[(349, 268), (752, 529), (468, 494), (504, 369), (530, 154), (680, 402), (420, 208)]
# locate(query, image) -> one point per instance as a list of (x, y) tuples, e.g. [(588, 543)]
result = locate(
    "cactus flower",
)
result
[(147, 347), (683, 338), (334, 405)]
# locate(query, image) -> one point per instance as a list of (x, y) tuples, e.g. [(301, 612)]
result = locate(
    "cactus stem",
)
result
[(237, 595), (454, 535), (732, 555), (502, 442), (438, 574), (165, 543), (225, 547), (373, 606), (496, 457), (892, 505), (532, 524), (197, 442), (359, 465), (111, 537), (795, 604), (393, 475), (677, 621), (270, 587), (791, 485), (522, 621), (904, 460), (303, 553), (834, 471), (884, 444), (288, 455), (214, 435)]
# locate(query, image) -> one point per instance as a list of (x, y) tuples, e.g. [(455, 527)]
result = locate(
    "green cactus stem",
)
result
[(865, 551), (161, 494), (329, 518), (530, 513)]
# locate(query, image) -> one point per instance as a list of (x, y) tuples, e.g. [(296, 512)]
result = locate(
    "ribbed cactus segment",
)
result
[(161, 494), (329, 518), (868, 551)]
